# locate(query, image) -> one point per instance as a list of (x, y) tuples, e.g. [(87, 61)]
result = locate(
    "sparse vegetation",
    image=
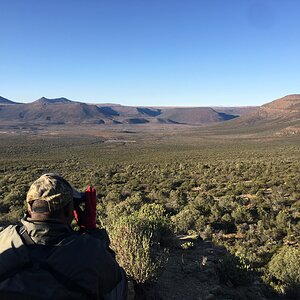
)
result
[(243, 195)]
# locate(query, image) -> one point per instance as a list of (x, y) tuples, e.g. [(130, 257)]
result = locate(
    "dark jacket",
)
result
[(61, 264)]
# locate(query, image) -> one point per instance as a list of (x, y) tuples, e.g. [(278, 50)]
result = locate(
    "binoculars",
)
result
[(78, 197)]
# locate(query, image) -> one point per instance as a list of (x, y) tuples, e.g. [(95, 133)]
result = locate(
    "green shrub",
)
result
[(136, 235), (236, 269), (284, 269), (154, 217), (186, 219), (124, 208), (135, 248)]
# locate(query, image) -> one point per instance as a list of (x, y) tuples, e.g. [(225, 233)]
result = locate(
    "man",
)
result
[(45, 259)]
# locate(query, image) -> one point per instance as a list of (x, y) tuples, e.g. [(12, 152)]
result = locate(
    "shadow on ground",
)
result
[(198, 273)]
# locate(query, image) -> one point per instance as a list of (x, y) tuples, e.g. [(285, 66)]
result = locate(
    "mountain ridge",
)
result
[(64, 111), (6, 101), (281, 115), (60, 100)]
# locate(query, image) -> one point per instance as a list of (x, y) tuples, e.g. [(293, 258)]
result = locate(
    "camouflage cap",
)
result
[(53, 189)]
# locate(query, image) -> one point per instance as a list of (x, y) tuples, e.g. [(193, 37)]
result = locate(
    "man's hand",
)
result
[(86, 219)]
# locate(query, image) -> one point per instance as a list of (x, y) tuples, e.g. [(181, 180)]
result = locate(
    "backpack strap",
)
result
[(25, 236)]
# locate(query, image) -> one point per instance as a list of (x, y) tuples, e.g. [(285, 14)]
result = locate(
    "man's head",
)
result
[(50, 197)]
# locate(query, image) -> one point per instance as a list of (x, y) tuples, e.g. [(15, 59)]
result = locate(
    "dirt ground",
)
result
[(194, 274)]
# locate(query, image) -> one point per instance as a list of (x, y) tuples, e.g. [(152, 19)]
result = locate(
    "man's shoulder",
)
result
[(10, 229), (96, 239), (99, 234), (9, 238)]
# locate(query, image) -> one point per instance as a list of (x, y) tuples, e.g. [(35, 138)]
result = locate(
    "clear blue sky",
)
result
[(150, 52)]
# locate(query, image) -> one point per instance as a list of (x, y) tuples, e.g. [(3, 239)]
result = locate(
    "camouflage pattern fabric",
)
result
[(51, 188)]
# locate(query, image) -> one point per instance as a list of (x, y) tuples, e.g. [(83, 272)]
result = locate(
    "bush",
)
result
[(236, 269), (186, 219), (284, 269), (134, 247), (154, 217), (136, 239)]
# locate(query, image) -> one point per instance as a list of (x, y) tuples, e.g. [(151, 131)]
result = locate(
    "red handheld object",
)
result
[(86, 219)]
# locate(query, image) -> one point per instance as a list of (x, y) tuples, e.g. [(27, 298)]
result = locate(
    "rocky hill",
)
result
[(57, 111), (283, 109), (281, 116), (288, 103)]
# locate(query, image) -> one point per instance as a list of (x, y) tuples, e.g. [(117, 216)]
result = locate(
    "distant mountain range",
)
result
[(65, 111), (282, 115)]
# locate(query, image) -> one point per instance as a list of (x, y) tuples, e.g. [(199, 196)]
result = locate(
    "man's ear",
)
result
[(28, 210), (28, 205)]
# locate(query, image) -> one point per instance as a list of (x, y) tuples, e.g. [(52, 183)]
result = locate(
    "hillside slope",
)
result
[(279, 117), (287, 103), (284, 109), (236, 111), (195, 115)]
